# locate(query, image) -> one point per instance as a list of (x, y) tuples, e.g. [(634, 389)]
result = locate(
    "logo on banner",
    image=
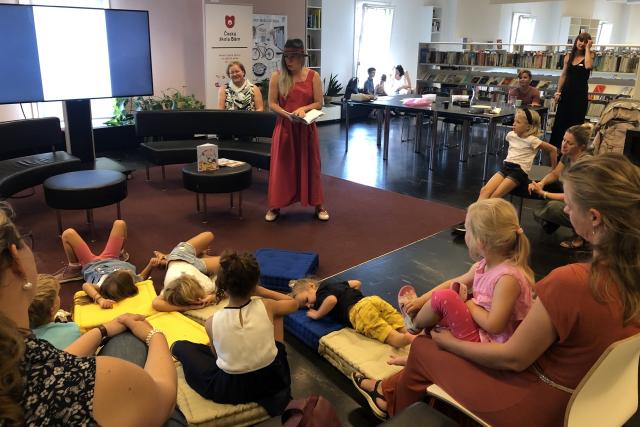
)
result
[(229, 21)]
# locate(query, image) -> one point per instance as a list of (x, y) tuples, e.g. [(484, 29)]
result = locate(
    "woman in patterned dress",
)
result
[(42, 385), (239, 93)]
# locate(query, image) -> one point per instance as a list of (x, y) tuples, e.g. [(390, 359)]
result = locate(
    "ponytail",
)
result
[(521, 252), (11, 379)]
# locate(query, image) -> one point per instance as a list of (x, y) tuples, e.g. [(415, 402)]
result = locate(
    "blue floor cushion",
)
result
[(307, 330), (278, 267)]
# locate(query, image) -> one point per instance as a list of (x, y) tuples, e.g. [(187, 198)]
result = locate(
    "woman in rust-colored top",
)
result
[(580, 310)]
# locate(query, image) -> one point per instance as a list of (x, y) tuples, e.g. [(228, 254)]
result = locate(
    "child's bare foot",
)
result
[(162, 258), (397, 360)]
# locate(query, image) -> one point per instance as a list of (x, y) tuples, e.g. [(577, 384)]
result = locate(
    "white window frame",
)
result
[(383, 61), (517, 25), (605, 29), (101, 109)]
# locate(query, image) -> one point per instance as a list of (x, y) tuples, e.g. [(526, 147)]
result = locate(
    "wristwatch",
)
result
[(104, 333)]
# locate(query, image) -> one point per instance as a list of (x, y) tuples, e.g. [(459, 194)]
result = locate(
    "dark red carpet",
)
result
[(365, 222)]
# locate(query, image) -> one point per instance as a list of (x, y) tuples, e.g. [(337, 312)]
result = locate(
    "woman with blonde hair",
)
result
[(42, 385), (239, 93), (579, 311), (294, 175)]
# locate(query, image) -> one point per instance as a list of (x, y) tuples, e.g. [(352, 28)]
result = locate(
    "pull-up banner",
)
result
[(228, 37)]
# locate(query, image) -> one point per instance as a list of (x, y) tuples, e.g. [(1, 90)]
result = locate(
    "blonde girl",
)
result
[(188, 284), (500, 282), (523, 146), (42, 313)]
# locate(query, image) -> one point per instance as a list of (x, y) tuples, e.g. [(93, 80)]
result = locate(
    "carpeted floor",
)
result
[(365, 222)]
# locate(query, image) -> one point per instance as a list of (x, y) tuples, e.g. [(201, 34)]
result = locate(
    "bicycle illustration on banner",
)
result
[(269, 35)]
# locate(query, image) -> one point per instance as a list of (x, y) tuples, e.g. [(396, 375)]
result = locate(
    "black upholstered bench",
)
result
[(86, 190), (224, 180), (170, 135), (29, 155)]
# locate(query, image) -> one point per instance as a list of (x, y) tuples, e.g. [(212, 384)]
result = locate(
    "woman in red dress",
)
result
[(294, 174)]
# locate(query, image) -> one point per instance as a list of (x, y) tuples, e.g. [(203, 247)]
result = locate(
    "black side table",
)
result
[(223, 180)]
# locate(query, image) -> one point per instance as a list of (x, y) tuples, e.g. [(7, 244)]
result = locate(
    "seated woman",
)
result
[(529, 95), (239, 93), (581, 309), (401, 82), (42, 385), (552, 214)]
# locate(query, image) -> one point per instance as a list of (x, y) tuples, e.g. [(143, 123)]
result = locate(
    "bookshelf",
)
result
[(314, 34), (436, 22), (491, 73)]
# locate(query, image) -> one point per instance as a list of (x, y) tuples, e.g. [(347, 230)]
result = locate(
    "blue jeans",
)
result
[(127, 347)]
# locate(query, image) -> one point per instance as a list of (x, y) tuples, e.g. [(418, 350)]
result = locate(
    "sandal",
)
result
[(573, 243), (406, 294), (371, 396), (272, 215)]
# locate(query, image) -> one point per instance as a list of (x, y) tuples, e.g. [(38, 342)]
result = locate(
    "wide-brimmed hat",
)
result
[(294, 51)]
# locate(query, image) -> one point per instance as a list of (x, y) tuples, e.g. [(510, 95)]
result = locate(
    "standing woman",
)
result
[(239, 93), (573, 88), (294, 174)]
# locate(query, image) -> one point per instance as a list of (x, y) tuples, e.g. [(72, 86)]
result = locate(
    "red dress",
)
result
[(294, 174)]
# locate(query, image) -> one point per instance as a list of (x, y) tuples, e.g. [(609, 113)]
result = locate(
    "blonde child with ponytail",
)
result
[(499, 283)]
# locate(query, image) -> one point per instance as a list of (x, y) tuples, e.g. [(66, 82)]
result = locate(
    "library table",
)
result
[(435, 112)]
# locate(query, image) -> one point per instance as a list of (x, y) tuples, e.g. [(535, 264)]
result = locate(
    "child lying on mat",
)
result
[(500, 282), (107, 278), (42, 314), (187, 283), (371, 316)]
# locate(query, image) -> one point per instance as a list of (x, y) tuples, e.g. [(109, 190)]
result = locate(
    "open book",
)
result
[(310, 117)]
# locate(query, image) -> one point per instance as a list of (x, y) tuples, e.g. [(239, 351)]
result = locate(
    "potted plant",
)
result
[(171, 99), (332, 90)]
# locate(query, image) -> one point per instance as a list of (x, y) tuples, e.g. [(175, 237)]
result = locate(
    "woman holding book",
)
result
[(294, 175), (573, 89)]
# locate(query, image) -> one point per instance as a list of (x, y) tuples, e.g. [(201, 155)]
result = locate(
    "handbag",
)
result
[(312, 411)]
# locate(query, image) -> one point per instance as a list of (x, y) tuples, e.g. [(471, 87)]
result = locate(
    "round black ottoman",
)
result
[(86, 189), (223, 180)]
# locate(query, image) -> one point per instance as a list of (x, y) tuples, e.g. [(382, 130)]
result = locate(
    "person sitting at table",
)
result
[(524, 92), (380, 91), (401, 82), (368, 84)]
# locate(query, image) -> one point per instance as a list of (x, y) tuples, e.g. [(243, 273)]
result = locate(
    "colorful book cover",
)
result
[(599, 88), (483, 80)]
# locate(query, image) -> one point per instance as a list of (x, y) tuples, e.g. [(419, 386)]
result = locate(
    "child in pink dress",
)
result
[(500, 282)]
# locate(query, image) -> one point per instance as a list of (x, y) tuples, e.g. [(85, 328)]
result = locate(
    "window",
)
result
[(372, 39), (101, 109), (604, 33), (522, 27)]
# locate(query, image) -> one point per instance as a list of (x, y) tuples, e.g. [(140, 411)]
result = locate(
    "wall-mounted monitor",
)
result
[(50, 53)]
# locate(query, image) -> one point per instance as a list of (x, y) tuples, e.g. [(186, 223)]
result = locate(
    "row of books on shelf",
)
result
[(463, 79), (609, 62), (542, 85), (313, 18)]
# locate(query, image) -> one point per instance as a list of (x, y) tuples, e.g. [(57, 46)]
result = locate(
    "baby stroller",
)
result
[(618, 116)]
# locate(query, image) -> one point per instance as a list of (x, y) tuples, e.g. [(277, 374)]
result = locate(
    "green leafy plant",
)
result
[(121, 114), (171, 99), (334, 88)]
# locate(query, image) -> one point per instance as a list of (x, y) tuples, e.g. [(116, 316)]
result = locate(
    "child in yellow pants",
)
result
[(343, 302)]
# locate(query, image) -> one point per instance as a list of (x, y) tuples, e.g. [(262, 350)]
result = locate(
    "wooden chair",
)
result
[(607, 396)]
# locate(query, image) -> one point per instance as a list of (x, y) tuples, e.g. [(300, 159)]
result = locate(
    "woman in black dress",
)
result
[(573, 88)]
